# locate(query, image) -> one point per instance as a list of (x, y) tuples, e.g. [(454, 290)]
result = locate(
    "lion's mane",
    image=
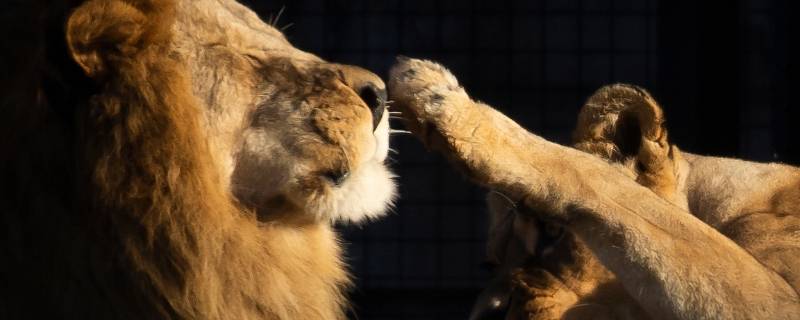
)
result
[(113, 208)]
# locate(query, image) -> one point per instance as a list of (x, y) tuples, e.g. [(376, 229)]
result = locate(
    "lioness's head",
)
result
[(294, 136)]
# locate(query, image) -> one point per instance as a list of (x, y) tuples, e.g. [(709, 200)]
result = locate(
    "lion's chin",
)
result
[(368, 193)]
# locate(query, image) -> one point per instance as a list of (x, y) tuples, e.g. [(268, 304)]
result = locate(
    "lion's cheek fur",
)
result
[(278, 184)]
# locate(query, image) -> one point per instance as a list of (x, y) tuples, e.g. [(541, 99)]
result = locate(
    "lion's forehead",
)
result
[(226, 23)]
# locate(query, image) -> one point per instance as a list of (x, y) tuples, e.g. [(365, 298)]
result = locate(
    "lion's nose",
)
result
[(376, 101), (369, 87)]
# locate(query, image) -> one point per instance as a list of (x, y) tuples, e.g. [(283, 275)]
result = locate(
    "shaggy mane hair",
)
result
[(112, 207)]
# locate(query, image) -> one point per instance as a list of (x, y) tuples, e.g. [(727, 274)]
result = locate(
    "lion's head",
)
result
[(291, 134), (180, 158)]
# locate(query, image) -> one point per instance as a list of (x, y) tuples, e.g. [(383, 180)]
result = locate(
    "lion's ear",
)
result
[(100, 33), (618, 121)]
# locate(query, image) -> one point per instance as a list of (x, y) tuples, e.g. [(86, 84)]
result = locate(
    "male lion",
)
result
[(178, 159), (648, 231)]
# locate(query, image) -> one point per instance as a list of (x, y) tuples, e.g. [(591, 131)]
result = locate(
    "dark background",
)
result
[(723, 71)]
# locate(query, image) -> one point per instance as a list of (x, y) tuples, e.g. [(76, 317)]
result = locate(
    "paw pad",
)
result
[(423, 85)]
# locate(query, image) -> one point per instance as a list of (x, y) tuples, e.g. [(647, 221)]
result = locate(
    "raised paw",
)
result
[(426, 93), (483, 143)]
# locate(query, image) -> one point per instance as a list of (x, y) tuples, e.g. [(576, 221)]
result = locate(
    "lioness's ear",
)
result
[(617, 119), (623, 123), (101, 32)]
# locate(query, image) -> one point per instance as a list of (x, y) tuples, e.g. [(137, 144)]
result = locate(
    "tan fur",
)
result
[(169, 160), (651, 232)]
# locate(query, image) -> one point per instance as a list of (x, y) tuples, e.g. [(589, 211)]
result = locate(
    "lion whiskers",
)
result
[(507, 198), (395, 115), (287, 26), (273, 20), (397, 131)]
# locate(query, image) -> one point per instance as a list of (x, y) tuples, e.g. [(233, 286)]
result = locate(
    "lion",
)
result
[(179, 159), (622, 226)]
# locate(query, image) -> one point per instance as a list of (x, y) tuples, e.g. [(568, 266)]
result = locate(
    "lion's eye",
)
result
[(256, 61)]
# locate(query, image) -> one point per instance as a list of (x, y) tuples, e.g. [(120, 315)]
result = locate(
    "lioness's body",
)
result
[(569, 282), (651, 232)]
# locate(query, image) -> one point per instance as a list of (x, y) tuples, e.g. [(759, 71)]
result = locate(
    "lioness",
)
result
[(648, 231)]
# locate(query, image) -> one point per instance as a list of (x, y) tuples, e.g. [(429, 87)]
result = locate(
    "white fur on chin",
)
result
[(367, 194), (369, 191)]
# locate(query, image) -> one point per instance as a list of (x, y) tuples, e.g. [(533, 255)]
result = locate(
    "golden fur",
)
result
[(140, 180), (648, 231)]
